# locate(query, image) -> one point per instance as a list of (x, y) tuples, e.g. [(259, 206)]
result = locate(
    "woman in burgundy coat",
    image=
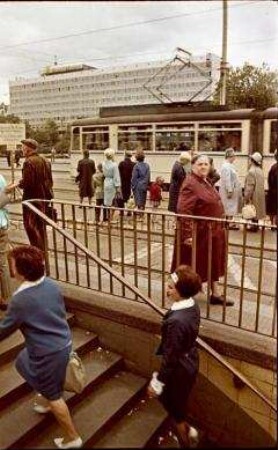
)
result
[(198, 197)]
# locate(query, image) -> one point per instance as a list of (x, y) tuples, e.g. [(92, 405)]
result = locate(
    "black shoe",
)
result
[(3, 306), (233, 227), (253, 229), (215, 300)]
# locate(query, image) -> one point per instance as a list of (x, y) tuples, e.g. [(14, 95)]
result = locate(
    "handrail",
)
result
[(147, 300), (165, 213)]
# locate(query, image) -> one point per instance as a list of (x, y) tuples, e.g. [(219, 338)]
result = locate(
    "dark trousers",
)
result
[(34, 227), (99, 202)]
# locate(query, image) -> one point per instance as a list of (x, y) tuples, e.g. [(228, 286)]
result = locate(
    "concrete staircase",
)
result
[(112, 411)]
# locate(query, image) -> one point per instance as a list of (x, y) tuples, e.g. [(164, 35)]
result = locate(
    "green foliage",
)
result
[(251, 87), (63, 144), (10, 118), (48, 136)]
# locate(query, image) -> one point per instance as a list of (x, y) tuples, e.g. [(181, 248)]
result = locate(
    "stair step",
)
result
[(97, 412), (13, 385), (20, 421), (11, 345), (137, 428)]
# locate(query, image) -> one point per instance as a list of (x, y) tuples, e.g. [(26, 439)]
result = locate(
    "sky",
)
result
[(109, 33)]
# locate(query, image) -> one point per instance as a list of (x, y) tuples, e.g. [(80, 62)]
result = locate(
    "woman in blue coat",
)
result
[(140, 180), (180, 361), (37, 309)]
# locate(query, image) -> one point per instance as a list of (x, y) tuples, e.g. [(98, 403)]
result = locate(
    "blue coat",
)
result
[(180, 361), (139, 182)]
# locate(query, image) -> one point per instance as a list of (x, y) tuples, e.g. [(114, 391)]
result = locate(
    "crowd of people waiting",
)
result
[(37, 307), (127, 183)]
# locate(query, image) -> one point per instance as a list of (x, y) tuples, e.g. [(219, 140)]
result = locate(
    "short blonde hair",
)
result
[(185, 156), (109, 153)]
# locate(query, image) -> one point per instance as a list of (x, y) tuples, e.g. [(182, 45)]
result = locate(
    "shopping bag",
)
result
[(249, 212), (75, 380)]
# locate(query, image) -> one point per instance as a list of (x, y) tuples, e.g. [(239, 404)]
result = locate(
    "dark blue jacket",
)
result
[(178, 341)]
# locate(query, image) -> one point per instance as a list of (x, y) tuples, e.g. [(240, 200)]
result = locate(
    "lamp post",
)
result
[(224, 64)]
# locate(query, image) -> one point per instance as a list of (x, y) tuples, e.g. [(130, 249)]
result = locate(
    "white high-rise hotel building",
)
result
[(64, 93)]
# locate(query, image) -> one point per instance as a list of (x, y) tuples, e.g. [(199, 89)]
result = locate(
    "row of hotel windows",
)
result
[(100, 81), (41, 95), (122, 76), (77, 108), (74, 103)]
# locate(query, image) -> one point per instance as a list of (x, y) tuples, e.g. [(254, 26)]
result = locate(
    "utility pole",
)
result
[(224, 63)]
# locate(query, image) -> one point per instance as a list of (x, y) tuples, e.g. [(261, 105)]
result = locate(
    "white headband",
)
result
[(174, 277)]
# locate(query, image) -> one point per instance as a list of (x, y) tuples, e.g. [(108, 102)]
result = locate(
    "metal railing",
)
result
[(141, 250), (104, 269)]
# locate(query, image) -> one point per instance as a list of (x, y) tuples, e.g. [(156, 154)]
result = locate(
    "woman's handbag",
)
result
[(75, 374), (249, 212), (130, 204), (52, 213), (4, 199), (118, 201), (12, 197)]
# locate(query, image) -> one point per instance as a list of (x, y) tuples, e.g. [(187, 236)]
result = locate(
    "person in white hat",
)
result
[(254, 189), (230, 188)]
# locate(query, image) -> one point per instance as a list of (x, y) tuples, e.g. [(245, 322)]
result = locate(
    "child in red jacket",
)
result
[(156, 194)]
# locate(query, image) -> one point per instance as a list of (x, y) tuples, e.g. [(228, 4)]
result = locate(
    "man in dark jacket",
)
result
[(36, 183), (178, 174), (125, 169), (86, 168)]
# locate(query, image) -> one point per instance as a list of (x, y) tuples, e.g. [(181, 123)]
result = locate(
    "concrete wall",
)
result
[(230, 415)]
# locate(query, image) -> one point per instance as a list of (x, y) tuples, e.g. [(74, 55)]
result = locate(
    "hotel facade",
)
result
[(65, 93)]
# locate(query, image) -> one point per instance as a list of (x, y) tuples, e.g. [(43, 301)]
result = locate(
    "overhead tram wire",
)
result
[(117, 27), (110, 58)]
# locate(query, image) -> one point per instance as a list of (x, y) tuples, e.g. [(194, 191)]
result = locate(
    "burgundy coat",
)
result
[(198, 197)]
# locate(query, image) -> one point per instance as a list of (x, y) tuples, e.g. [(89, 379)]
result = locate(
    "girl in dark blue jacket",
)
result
[(180, 362)]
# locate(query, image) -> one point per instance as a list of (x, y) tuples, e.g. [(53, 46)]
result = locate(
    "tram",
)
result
[(163, 131)]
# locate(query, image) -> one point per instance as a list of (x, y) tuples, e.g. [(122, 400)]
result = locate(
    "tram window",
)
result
[(173, 127), (135, 128), (220, 125), (218, 141), (273, 136), (131, 141), (3, 149), (95, 141), (173, 141), (95, 129)]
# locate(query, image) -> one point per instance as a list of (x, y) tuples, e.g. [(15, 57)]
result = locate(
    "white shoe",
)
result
[(41, 409), (193, 437), (76, 443)]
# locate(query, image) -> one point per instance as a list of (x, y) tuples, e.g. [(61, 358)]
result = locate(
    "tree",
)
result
[(48, 136), (251, 87), (10, 118), (64, 142), (51, 131), (3, 109)]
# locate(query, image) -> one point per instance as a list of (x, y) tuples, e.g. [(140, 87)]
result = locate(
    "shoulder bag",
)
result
[(12, 197), (249, 211), (75, 380)]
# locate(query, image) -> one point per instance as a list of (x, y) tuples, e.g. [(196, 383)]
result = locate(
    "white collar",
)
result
[(182, 304), (28, 284)]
